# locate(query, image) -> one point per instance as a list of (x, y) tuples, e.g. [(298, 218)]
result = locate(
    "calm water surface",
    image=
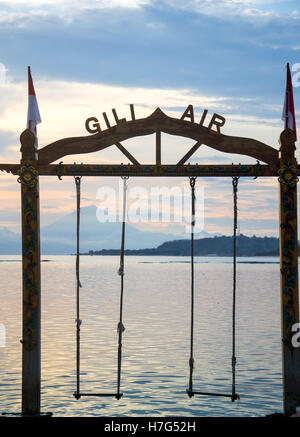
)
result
[(156, 339)]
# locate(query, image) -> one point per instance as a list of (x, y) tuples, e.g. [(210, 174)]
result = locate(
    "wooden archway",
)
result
[(156, 123), (35, 163)]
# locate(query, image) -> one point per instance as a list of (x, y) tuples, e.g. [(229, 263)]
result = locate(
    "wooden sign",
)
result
[(156, 123), (93, 126)]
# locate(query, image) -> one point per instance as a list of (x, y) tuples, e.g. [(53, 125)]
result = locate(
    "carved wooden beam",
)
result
[(220, 170), (127, 154), (158, 121), (148, 170), (189, 154), (10, 168)]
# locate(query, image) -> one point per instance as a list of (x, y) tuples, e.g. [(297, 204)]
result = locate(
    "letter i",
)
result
[(203, 117)]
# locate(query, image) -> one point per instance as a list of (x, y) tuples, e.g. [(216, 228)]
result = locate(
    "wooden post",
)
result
[(289, 270), (31, 340)]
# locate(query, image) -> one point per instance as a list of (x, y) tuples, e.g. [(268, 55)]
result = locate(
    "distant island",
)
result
[(213, 246)]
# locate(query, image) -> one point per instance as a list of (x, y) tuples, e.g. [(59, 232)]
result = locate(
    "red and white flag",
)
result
[(33, 114), (288, 113)]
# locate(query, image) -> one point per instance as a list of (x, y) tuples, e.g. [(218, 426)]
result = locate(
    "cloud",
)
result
[(74, 4), (64, 107), (91, 56), (35, 14), (251, 10), (254, 11), (160, 44)]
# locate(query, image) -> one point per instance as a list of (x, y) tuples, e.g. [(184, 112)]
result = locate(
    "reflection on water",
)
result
[(156, 339)]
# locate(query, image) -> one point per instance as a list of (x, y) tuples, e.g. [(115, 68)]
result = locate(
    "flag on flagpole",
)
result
[(33, 114), (288, 113)]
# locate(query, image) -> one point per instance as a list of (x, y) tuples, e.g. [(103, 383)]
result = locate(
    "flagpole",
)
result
[(287, 97), (28, 74)]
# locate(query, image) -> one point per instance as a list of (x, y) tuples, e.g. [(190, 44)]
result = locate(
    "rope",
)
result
[(235, 179), (191, 360), (121, 327), (234, 396), (78, 286)]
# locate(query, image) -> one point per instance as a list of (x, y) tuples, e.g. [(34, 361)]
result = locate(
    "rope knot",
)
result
[(193, 221), (121, 327), (191, 363), (235, 397)]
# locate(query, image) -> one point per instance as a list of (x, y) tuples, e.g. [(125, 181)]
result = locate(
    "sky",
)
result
[(87, 57)]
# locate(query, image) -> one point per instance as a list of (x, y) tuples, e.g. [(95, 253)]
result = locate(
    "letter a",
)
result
[(188, 113)]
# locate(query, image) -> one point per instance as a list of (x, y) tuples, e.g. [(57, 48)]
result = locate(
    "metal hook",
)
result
[(59, 169), (235, 181), (192, 181), (257, 168), (77, 180)]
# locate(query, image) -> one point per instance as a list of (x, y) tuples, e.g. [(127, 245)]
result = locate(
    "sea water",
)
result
[(156, 340)]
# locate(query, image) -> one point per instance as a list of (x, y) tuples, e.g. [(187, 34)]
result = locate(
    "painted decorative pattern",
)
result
[(28, 179), (28, 175), (288, 175), (289, 257), (288, 178)]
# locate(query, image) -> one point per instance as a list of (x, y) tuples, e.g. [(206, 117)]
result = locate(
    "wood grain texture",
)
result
[(158, 121)]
